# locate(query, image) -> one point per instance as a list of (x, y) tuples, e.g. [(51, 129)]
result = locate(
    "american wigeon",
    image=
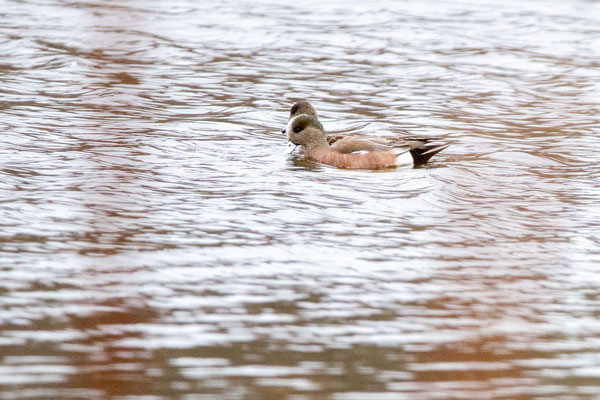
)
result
[(357, 151), (304, 107)]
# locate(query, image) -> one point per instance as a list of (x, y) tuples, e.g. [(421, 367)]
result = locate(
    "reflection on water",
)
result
[(156, 244)]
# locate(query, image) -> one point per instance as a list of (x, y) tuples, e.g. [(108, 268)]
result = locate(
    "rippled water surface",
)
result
[(155, 243)]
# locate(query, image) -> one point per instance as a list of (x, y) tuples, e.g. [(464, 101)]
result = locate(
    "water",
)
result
[(155, 243)]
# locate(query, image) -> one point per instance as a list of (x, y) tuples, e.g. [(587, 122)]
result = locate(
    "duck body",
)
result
[(356, 160), (353, 152), (356, 151)]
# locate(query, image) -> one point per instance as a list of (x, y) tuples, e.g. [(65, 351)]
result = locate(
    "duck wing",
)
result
[(421, 148), (331, 139), (397, 141), (355, 144)]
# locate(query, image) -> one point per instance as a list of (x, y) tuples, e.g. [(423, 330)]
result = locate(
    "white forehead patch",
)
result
[(288, 127)]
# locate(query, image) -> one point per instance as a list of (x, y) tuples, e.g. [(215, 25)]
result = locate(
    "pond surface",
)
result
[(156, 243)]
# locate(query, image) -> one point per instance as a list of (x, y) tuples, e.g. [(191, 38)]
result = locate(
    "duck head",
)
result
[(307, 131), (300, 108)]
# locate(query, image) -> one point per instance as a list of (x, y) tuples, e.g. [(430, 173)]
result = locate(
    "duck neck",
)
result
[(316, 143)]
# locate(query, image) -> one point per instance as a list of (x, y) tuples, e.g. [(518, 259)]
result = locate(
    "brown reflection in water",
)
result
[(108, 369), (104, 368), (361, 368), (112, 144), (110, 197)]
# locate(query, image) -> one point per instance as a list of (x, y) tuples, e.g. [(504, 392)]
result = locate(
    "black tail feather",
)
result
[(422, 154)]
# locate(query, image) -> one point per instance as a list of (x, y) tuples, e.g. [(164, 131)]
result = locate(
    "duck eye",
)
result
[(294, 109), (298, 128)]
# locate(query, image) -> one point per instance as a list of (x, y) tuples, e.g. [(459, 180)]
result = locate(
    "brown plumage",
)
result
[(357, 151), (370, 160)]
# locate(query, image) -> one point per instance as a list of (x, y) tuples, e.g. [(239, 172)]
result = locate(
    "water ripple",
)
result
[(155, 242)]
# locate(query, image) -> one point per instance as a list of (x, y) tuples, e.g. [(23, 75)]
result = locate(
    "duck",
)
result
[(354, 151)]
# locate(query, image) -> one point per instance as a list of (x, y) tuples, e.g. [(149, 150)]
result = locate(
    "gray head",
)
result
[(302, 107), (307, 131)]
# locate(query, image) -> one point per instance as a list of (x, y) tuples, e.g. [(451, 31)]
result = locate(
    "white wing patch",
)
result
[(360, 152), (404, 158)]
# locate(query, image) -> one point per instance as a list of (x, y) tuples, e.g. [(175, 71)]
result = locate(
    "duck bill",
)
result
[(289, 148)]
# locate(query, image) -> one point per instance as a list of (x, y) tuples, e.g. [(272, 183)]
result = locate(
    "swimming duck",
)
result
[(304, 107), (357, 151)]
